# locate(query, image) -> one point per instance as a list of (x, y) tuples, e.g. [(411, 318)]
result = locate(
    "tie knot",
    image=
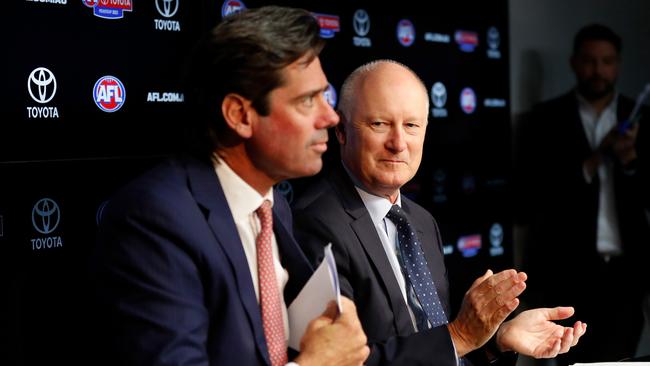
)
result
[(265, 213), (396, 215)]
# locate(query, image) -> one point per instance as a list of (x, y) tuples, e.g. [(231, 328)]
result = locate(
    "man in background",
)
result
[(584, 192)]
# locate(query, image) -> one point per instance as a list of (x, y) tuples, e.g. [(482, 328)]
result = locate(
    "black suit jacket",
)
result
[(332, 211), (561, 211), (562, 208), (173, 282)]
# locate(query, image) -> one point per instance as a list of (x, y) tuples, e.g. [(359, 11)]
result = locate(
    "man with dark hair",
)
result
[(388, 249), (596, 32), (195, 261), (584, 186)]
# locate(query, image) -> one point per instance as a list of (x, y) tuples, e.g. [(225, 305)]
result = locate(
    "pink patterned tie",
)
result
[(269, 293)]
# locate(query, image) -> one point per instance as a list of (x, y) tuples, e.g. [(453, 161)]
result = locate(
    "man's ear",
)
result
[(340, 129), (239, 114)]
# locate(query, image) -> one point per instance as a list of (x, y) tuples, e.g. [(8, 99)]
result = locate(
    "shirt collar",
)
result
[(242, 198), (584, 104), (377, 206)]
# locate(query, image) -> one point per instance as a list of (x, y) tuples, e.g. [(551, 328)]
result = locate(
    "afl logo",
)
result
[(46, 216), (168, 8), (330, 95), (405, 32), (439, 95), (469, 245), (41, 85), (109, 94), (232, 7), (468, 100), (361, 22)]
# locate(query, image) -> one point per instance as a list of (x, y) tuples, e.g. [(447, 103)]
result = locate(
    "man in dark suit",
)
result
[(585, 195), (359, 209), (193, 258)]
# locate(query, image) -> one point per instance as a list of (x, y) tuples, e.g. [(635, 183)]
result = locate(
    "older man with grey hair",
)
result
[(388, 248)]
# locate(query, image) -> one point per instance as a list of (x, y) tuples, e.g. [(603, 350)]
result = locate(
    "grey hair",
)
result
[(346, 100)]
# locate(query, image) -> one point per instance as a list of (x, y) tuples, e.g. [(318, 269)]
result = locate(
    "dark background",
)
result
[(79, 159)]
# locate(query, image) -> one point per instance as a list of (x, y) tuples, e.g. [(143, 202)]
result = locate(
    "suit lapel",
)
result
[(365, 231), (291, 256), (208, 193), (578, 131)]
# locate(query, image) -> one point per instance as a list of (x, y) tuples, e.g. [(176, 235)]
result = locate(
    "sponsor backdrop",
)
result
[(96, 98)]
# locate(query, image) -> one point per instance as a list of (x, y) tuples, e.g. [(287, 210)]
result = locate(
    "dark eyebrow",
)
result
[(310, 93)]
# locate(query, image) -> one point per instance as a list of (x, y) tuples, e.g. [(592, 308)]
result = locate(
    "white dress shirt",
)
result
[(243, 200), (378, 207), (608, 239)]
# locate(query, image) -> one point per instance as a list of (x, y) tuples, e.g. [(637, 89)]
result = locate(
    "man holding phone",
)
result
[(585, 194)]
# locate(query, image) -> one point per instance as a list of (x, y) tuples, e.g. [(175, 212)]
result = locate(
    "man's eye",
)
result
[(308, 101)]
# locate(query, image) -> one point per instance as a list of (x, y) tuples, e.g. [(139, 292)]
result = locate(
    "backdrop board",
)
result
[(96, 98)]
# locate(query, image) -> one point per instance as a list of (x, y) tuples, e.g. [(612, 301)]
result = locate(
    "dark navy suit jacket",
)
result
[(173, 282)]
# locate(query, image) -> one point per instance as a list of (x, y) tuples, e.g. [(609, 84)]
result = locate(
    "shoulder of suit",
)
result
[(318, 193), (566, 100), (163, 185), (414, 208)]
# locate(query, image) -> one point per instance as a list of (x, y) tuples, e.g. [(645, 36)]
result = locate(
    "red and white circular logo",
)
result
[(405, 32), (468, 100), (109, 94)]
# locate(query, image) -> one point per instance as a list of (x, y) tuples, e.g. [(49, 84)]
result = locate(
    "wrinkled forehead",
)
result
[(388, 94)]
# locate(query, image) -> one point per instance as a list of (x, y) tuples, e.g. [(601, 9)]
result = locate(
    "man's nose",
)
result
[(397, 139), (328, 117)]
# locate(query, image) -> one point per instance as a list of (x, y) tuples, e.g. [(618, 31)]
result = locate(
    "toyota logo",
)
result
[(496, 235), (41, 85), (46, 216), (361, 22), (330, 95), (286, 189), (439, 94), (166, 9), (493, 38)]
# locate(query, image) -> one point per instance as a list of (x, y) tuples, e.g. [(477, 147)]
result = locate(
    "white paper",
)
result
[(320, 289)]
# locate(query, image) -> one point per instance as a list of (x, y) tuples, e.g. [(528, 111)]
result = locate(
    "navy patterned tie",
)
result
[(416, 273)]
